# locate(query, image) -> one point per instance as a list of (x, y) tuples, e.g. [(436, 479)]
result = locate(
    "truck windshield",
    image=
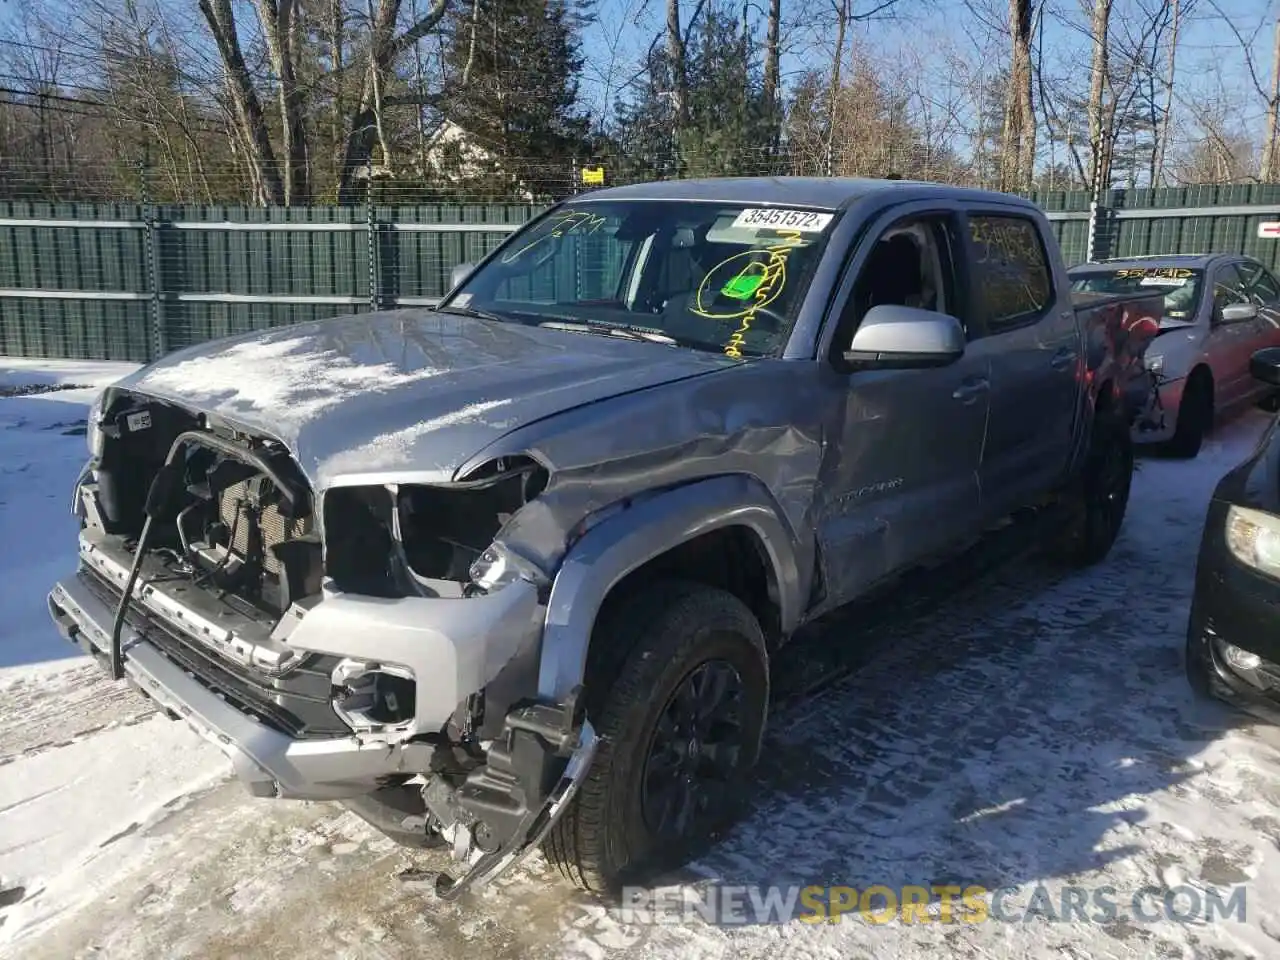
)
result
[(1180, 286), (716, 277)]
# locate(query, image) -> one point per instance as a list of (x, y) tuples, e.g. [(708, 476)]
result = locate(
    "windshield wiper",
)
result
[(624, 331), (473, 313)]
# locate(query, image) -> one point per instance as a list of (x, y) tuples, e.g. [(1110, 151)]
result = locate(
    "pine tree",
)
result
[(729, 131), (731, 128), (513, 89)]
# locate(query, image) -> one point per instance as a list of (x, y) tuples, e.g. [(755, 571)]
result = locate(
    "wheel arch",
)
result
[(1201, 373), (724, 531)]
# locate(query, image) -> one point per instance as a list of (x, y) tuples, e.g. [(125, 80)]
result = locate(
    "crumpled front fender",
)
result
[(637, 534)]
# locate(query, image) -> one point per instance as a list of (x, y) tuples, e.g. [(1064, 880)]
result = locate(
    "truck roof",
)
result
[(830, 193)]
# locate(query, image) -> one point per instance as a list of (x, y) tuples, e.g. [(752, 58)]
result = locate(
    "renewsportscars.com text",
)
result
[(730, 905)]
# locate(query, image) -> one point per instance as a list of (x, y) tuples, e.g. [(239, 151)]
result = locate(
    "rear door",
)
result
[(1034, 347)]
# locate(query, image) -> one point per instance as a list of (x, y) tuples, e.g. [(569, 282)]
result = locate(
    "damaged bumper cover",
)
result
[(449, 647), (1158, 418), (269, 762)]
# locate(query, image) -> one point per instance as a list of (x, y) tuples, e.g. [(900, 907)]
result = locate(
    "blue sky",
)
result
[(1207, 51)]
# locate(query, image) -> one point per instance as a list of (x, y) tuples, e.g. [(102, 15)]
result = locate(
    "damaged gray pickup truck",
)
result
[(511, 572)]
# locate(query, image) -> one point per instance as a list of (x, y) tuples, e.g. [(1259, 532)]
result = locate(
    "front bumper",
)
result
[(202, 662), (1234, 605), (269, 762), (532, 775), (1158, 418)]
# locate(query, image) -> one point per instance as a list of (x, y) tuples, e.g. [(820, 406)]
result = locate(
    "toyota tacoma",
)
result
[(510, 572)]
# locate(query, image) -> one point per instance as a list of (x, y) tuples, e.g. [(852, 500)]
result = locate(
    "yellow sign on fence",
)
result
[(593, 175)]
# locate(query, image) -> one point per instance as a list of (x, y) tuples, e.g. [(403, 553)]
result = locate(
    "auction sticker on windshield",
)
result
[(1163, 282), (803, 221)]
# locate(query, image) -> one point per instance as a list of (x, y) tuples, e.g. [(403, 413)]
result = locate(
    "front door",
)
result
[(1033, 341), (900, 478), (1261, 287), (1230, 341)]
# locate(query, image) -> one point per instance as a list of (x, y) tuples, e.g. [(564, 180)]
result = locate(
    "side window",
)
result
[(1228, 287), (1011, 276), (911, 266), (1259, 283)]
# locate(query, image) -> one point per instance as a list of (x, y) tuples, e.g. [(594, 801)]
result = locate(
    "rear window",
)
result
[(1011, 270), (1180, 285)]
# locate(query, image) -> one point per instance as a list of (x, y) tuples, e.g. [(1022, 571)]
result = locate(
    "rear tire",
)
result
[(1098, 498), (1195, 418), (684, 641)]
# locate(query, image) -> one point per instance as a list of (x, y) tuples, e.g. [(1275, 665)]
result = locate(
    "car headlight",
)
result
[(1253, 538), (498, 566)]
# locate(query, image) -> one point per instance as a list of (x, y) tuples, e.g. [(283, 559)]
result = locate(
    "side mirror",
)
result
[(1264, 366), (460, 273), (1238, 312), (893, 337)]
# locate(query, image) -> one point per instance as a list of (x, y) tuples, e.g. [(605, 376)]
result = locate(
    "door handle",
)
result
[(970, 390), (1063, 359)]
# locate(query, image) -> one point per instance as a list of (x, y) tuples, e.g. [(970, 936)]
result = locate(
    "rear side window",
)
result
[(1010, 270)]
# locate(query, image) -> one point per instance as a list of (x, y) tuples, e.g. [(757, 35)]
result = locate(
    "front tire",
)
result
[(1195, 418), (1097, 501), (680, 721)]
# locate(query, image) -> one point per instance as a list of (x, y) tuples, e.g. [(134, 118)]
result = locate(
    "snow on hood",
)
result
[(287, 381), (413, 390)]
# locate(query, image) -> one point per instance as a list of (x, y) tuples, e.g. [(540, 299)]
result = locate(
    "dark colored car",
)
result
[(1233, 637)]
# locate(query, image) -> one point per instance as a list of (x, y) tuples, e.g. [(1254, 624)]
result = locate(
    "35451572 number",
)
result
[(804, 221)]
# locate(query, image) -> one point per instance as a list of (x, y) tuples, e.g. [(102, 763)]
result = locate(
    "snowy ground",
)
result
[(1029, 730)]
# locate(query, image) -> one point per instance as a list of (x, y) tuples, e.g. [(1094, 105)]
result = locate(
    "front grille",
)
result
[(297, 704), (237, 505)]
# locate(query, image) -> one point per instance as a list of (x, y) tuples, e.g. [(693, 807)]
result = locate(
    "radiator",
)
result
[(275, 527)]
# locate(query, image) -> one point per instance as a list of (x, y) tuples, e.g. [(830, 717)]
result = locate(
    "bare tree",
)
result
[(250, 117), (1271, 147), (1176, 13), (1099, 126), (772, 53), (386, 45), (1269, 165), (675, 62), (277, 18), (1019, 140)]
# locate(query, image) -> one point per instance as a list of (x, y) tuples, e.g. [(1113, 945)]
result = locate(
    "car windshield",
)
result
[(716, 277), (1180, 286)]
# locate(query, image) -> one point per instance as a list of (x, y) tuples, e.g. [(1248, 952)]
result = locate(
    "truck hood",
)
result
[(405, 394)]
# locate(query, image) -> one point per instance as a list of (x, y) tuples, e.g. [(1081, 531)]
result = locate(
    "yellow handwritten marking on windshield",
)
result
[(1170, 273), (769, 276), (558, 225)]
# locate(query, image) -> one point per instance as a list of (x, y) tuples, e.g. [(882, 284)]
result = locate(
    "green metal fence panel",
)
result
[(125, 280), (192, 323), (1073, 239), (416, 263), (74, 329)]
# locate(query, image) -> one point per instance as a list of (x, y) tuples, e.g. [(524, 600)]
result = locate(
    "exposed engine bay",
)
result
[(240, 520), (233, 513)]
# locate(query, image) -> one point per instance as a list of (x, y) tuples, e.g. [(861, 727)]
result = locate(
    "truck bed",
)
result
[(1117, 330)]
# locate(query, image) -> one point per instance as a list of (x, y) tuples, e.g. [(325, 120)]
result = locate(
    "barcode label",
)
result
[(803, 221)]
